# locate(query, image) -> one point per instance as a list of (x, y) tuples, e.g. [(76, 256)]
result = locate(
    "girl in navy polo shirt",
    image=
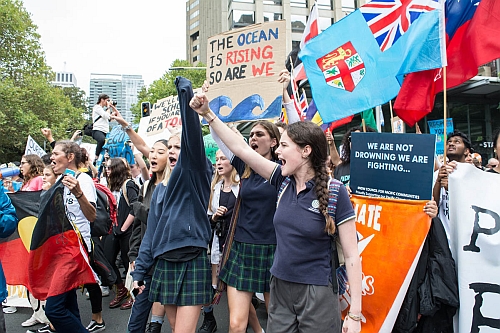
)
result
[(302, 222)]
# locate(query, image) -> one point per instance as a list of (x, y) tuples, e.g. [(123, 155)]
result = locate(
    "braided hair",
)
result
[(308, 134)]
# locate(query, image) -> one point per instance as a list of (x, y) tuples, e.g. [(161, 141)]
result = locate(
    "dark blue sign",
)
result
[(390, 165)]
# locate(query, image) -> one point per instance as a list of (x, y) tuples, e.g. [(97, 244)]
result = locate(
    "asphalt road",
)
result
[(116, 319)]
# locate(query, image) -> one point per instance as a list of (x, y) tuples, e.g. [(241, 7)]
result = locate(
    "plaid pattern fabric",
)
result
[(248, 267), (182, 283)]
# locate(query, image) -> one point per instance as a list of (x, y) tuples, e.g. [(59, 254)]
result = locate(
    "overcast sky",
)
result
[(110, 36)]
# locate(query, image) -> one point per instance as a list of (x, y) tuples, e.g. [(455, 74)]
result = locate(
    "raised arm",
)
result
[(136, 139), (238, 147)]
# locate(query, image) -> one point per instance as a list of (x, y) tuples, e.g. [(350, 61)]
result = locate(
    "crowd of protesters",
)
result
[(184, 228)]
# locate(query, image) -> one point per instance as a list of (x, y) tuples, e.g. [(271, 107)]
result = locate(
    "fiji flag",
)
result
[(359, 62)]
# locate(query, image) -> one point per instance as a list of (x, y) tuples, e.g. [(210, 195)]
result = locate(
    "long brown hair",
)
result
[(120, 172), (36, 167), (309, 134)]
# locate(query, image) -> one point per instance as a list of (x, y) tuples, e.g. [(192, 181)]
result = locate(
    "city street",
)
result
[(116, 319)]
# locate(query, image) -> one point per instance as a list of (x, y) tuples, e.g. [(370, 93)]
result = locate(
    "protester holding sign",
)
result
[(303, 152)]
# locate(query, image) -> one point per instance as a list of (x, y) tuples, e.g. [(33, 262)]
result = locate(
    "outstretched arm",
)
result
[(136, 139), (258, 163)]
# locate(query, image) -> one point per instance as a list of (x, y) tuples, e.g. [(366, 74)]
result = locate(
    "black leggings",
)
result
[(95, 295), (114, 244), (100, 137)]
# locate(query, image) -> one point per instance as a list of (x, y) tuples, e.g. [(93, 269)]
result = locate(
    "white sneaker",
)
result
[(9, 309), (30, 322), (105, 291)]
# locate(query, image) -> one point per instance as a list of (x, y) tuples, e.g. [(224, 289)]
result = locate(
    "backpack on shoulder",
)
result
[(105, 212)]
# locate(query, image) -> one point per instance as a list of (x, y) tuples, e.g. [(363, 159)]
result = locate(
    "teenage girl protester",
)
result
[(302, 222), (31, 168), (162, 156), (120, 183), (178, 230)]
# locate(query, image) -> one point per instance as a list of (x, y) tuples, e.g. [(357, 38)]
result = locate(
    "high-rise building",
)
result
[(206, 18), (64, 79), (120, 88)]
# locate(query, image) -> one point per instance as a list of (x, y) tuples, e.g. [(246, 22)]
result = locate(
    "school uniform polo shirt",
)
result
[(303, 252)]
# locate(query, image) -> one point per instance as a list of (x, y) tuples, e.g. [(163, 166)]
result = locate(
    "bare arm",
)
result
[(334, 154), (142, 165), (348, 240), (136, 139), (258, 163)]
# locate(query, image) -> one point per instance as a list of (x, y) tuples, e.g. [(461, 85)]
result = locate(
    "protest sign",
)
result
[(117, 145), (390, 165), (17, 296), (391, 234), (33, 148), (210, 147), (437, 127), (398, 126), (242, 69), (475, 243)]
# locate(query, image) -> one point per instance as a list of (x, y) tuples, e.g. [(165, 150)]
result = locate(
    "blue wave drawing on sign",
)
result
[(243, 111)]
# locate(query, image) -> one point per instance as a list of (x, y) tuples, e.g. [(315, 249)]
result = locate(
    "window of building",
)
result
[(195, 48), (325, 4), (194, 4), (325, 23), (298, 23), (246, 1), (273, 2), (71, 78), (194, 14), (296, 44), (58, 77), (195, 36), (194, 25), (67, 77), (348, 6), (298, 3), (268, 17), (196, 58), (241, 18)]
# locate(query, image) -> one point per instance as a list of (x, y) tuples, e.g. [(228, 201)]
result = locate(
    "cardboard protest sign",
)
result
[(391, 234), (117, 145), (242, 70), (475, 244), (33, 148), (437, 127), (390, 165)]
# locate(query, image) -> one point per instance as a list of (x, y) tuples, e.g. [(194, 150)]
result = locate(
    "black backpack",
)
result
[(105, 212)]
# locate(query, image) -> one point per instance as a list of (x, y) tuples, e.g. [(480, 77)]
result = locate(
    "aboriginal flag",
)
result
[(57, 260), (14, 250)]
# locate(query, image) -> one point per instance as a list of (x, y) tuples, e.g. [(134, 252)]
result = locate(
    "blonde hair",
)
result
[(235, 180)]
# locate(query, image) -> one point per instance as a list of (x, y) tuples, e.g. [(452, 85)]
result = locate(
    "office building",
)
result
[(206, 18), (120, 88), (64, 79)]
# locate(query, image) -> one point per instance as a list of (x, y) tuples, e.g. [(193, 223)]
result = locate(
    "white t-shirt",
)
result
[(73, 210), (103, 123), (444, 208)]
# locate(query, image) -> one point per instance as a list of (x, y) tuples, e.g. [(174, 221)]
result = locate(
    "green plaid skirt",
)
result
[(248, 267), (182, 283)]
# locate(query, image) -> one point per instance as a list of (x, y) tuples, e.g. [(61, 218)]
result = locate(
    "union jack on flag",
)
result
[(390, 19)]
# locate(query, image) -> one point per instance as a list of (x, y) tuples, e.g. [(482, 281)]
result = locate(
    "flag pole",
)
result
[(295, 96), (444, 114), (392, 116), (364, 124)]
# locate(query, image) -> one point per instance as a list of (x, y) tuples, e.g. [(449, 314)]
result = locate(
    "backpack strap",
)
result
[(283, 186), (124, 191), (96, 119), (333, 192)]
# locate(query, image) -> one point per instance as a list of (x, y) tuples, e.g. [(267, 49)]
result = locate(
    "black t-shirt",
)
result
[(123, 209), (342, 172)]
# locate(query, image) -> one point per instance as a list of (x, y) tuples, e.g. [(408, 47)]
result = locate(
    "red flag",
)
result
[(472, 30), (310, 31), (57, 259)]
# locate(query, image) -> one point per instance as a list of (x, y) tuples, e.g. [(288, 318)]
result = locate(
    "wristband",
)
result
[(353, 316), (78, 197), (126, 128)]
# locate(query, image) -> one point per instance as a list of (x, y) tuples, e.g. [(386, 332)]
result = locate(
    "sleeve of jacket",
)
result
[(135, 240), (8, 217)]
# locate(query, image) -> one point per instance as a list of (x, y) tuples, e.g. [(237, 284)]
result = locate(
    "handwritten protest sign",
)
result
[(242, 69), (437, 127), (117, 145), (33, 148), (390, 165)]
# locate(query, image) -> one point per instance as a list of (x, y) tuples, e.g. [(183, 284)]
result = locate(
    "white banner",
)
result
[(475, 244), (33, 148), (17, 296)]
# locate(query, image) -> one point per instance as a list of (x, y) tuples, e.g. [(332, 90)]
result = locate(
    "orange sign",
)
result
[(391, 234)]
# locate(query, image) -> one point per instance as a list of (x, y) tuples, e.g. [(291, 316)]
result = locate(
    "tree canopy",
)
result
[(28, 101)]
